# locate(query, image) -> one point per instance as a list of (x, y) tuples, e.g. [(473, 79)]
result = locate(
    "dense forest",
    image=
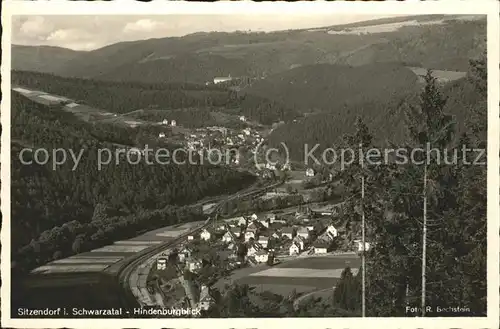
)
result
[(59, 212), (383, 117), (449, 199), (189, 103)]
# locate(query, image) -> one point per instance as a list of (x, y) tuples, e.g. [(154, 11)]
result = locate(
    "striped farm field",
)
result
[(122, 248), (301, 275), (69, 268)]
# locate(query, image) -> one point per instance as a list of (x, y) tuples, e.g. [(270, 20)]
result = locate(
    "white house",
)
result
[(252, 250), (270, 166), (303, 232), (263, 240), (206, 300), (194, 265), (271, 217), (261, 256), (161, 135), (320, 248), (249, 235), (243, 118), (247, 131), (227, 237), (222, 79), (288, 232), (242, 221), (332, 231), (294, 249), (184, 254), (165, 122), (299, 240), (264, 222), (276, 235), (359, 245), (161, 263), (236, 231), (254, 216), (173, 123), (310, 172), (190, 237), (205, 235)]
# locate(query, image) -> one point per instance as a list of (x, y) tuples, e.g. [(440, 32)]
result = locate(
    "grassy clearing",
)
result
[(300, 273), (322, 263)]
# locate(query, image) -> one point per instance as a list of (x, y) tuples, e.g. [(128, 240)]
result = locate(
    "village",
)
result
[(258, 241)]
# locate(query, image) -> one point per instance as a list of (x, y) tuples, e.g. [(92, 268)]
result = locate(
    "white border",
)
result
[(489, 8)]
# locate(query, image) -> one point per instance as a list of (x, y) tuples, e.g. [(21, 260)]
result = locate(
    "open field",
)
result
[(99, 259), (67, 268), (300, 273)]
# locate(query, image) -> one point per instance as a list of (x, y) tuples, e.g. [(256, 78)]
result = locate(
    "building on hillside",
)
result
[(243, 118), (165, 122), (254, 216), (227, 237), (261, 256), (218, 80), (294, 249), (161, 135), (264, 223), (242, 221), (303, 232), (300, 241), (236, 231), (190, 237), (253, 248), (249, 234), (161, 263), (193, 265), (205, 235), (263, 240), (310, 227), (288, 232), (332, 231), (320, 247), (173, 123), (206, 300), (184, 254), (359, 245), (310, 172)]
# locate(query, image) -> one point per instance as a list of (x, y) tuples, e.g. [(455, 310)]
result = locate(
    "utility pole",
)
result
[(424, 240), (363, 287), (363, 270)]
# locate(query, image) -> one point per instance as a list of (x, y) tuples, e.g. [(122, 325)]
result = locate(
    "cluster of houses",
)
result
[(204, 139)]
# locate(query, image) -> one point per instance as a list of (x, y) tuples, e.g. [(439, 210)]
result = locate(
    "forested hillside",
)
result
[(175, 100), (59, 212), (385, 118), (437, 42), (335, 88)]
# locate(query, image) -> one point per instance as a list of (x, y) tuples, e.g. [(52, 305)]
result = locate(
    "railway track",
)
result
[(126, 269)]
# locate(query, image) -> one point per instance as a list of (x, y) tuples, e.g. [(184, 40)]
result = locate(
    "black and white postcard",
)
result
[(250, 165)]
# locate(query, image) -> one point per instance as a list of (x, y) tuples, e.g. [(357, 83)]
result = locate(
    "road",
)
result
[(131, 278)]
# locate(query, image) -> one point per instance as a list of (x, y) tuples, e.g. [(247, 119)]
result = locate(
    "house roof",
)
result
[(302, 230), (261, 252), (320, 244), (294, 244), (287, 230)]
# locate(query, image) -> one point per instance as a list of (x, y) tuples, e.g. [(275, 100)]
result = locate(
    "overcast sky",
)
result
[(91, 32)]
